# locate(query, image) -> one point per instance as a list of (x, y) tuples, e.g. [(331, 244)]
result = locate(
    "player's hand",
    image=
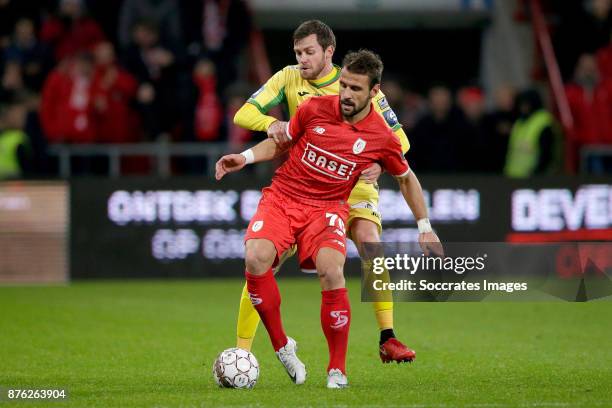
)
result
[(229, 164), (430, 244), (371, 174), (278, 131)]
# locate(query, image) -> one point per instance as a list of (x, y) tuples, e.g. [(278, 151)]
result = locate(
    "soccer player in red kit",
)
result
[(334, 138)]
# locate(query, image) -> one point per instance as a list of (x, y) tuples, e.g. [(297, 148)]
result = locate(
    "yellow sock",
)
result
[(384, 314), (248, 320), (383, 306)]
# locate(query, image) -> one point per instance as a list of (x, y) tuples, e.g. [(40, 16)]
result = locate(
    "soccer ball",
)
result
[(236, 368)]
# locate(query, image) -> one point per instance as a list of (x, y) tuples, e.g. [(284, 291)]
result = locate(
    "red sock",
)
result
[(336, 322), (266, 299)]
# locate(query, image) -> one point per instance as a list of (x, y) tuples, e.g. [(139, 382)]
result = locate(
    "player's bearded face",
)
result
[(355, 93), (311, 57)]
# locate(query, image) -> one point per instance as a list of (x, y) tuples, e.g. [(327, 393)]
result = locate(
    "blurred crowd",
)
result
[(586, 67), (142, 70), (515, 131), (148, 70)]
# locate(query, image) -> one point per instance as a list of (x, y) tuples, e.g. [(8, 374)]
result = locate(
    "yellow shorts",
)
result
[(364, 204)]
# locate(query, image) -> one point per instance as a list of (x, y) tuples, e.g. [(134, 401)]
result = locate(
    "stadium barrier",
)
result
[(162, 152), (34, 232)]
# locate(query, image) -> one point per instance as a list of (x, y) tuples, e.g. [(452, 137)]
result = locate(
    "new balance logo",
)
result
[(254, 299), (341, 319)]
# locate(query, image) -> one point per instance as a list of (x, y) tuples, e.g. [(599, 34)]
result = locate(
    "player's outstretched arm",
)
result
[(413, 194), (249, 117), (264, 151)]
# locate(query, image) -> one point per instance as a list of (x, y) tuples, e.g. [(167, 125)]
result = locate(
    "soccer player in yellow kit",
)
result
[(316, 75)]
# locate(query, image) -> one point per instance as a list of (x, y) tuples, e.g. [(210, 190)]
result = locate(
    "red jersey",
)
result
[(328, 154)]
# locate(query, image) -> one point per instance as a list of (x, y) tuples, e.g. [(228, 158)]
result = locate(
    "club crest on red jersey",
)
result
[(359, 145), (327, 163)]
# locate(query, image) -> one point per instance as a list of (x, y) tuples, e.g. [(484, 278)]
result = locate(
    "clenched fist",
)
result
[(278, 131)]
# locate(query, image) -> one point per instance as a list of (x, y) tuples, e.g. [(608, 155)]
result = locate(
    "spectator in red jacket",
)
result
[(208, 113), (590, 99), (236, 95), (72, 31), (113, 89), (66, 110)]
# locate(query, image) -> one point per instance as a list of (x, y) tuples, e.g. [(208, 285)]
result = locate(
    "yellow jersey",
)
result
[(287, 87)]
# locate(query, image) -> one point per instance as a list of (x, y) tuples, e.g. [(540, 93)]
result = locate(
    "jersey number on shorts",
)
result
[(335, 221)]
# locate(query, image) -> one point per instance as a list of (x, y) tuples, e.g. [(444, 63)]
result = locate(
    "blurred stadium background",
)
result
[(112, 114)]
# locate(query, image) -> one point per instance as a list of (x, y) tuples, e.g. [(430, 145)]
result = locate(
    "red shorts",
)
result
[(312, 226)]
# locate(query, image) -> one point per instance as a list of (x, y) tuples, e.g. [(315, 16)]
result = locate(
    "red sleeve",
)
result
[(92, 32), (393, 158), (51, 30), (126, 83), (49, 104), (297, 124)]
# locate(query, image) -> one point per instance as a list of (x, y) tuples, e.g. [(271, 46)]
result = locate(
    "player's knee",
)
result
[(332, 277), (364, 231), (257, 263), (259, 258)]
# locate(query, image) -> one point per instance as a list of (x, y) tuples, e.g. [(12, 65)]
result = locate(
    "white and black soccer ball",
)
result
[(236, 368)]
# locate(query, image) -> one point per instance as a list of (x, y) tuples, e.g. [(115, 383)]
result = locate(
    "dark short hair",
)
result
[(325, 35), (364, 62)]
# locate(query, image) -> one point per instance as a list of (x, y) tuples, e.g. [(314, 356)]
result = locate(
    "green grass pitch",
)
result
[(152, 344)]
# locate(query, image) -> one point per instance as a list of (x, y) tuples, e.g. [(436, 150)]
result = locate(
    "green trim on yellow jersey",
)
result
[(274, 102), (277, 100), (327, 79), (258, 106)]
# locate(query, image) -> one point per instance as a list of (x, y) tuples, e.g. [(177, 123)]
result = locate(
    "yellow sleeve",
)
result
[(271, 93), (253, 114), (382, 107), (401, 135), (249, 117)]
